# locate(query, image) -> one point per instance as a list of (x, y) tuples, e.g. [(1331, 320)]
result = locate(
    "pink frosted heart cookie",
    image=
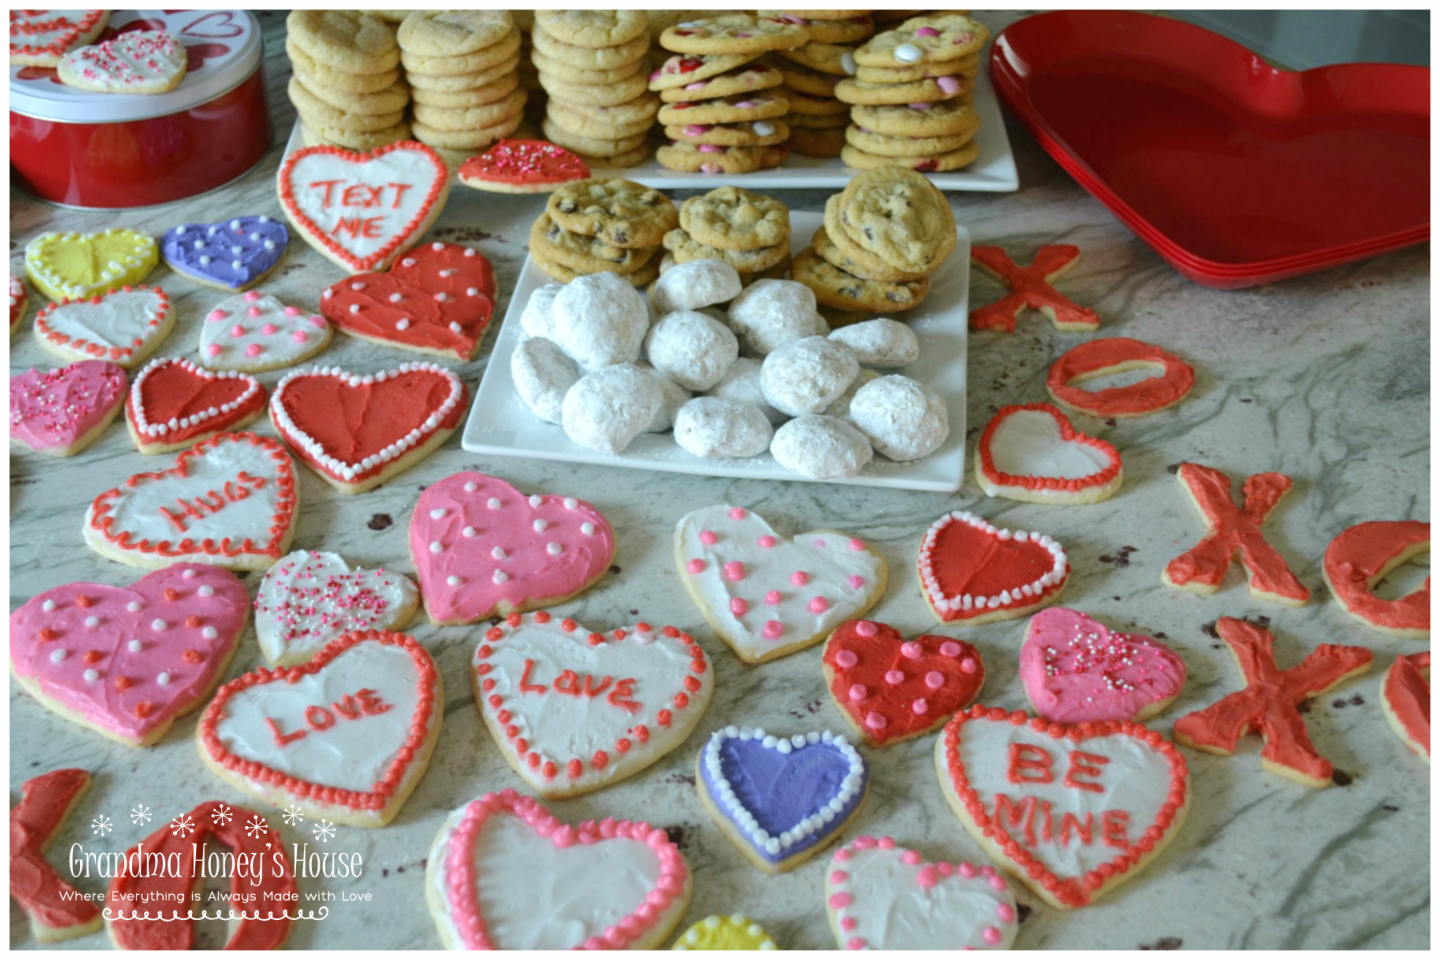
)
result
[(574, 710), (345, 736), (765, 595), (254, 332), (123, 326), (502, 868), (231, 501), (126, 661), (880, 896), (1069, 811), (362, 210), (1075, 669), (482, 548), (1033, 453), (61, 412)]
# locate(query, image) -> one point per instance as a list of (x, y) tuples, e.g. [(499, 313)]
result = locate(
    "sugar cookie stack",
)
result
[(749, 231), (592, 66), (529, 76), (723, 107), (910, 96), (463, 67), (602, 226), (817, 118), (346, 85)]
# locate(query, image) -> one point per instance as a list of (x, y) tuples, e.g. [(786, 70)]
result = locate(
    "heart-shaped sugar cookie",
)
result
[(1075, 669), (780, 800), (253, 331), (233, 254), (438, 299), (138, 61), (481, 547), (1070, 811), (574, 710), (765, 595), (362, 210), (1034, 453), (77, 266), (60, 412), (124, 326), (357, 430), (231, 501), (880, 896), (502, 862), (892, 689), (973, 571), (309, 599), (39, 38), (345, 736), (174, 403), (126, 661), (19, 300)]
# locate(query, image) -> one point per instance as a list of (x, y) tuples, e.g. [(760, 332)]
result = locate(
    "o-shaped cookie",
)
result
[(807, 376), (1100, 358), (1365, 554)]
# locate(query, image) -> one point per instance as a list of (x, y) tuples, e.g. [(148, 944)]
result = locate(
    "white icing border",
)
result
[(183, 423), (968, 602)]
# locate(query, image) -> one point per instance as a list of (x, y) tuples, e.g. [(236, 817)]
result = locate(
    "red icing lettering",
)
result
[(1047, 824), (1009, 815), (211, 501), (368, 227), (329, 187), (1083, 830), (622, 696), (1084, 764), (283, 738), (1115, 827), (370, 702), (567, 682), (319, 718), (1028, 756), (592, 690), (361, 195), (347, 707), (525, 685), (587, 685), (400, 189)]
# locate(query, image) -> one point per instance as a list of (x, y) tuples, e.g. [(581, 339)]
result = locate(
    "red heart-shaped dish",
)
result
[(1236, 172), (437, 299)]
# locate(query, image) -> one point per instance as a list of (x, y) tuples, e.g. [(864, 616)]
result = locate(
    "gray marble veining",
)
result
[(1325, 378)]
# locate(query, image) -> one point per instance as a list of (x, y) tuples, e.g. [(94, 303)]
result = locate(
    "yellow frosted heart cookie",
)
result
[(77, 266), (735, 932)]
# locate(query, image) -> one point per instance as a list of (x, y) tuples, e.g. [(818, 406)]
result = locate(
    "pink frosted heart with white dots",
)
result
[(255, 331), (883, 897), (127, 661)]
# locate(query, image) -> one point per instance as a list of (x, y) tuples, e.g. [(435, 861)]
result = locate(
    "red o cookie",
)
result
[(1364, 555), (1099, 358)]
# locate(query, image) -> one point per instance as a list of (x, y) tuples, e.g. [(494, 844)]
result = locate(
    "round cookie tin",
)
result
[(108, 150)]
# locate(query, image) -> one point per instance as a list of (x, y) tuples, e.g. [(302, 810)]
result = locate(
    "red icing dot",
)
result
[(193, 656), (93, 656)]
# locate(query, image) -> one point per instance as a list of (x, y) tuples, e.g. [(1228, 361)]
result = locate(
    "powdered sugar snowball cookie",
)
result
[(902, 418), (543, 374), (691, 348), (807, 376), (711, 427), (253, 332), (841, 407), (821, 448), (600, 320), (699, 283), (741, 384), (880, 342), (673, 397), (607, 409), (538, 317), (769, 314), (310, 598)]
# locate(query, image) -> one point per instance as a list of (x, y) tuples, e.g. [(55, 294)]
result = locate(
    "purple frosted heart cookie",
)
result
[(232, 255), (780, 800)]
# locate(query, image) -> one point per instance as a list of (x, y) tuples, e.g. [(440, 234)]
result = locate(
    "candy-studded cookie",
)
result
[(749, 78), (948, 118), (934, 163), (736, 108), (924, 39), (912, 92), (733, 33), (682, 70)]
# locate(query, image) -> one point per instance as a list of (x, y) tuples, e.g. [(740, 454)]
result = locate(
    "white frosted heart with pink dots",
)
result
[(255, 331), (767, 596), (128, 660), (883, 897)]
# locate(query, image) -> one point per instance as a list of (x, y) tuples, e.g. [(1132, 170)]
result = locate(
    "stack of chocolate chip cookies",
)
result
[(910, 96), (599, 225), (463, 67), (346, 85), (715, 71), (883, 238), (592, 66), (817, 117), (748, 231)]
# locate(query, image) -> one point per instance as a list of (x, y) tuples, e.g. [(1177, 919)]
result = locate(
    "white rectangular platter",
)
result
[(502, 425)]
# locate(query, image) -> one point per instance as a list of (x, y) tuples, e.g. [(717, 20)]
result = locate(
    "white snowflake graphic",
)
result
[(293, 815), (256, 826), (221, 814), (141, 814), (182, 826), (101, 825), (324, 830)]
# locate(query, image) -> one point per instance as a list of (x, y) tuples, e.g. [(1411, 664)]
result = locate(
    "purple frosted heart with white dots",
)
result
[(255, 331), (233, 254)]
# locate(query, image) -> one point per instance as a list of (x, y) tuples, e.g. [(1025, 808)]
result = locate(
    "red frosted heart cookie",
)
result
[(1364, 555), (173, 404), (57, 911), (346, 736), (357, 431), (972, 571), (438, 299), (1070, 811), (892, 689), (1033, 453), (1172, 381), (523, 166)]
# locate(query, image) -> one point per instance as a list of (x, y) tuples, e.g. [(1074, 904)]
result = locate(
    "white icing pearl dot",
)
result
[(453, 580), (92, 621), (206, 591), (57, 655), (436, 546), (571, 503), (159, 625), (501, 576), (471, 486), (469, 532), (536, 499), (498, 553), (135, 646), (187, 574), (48, 606), (587, 528), (163, 679), (135, 605), (209, 633), (553, 548), (540, 526), (437, 513), (92, 675), (493, 503)]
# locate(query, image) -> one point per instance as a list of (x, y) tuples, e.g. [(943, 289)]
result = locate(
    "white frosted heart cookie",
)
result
[(1033, 453), (767, 596), (253, 332), (124, 326), (309, 599)]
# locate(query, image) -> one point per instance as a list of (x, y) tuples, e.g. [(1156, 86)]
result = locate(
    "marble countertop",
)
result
[(1324, 378)]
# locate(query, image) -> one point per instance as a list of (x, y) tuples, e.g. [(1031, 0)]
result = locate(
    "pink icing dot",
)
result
[(864, 842), (927, 32), (253, 350), (696, 565), (928, 877), (213, 349), (893, 677), (773, 629), (734, 570), (254, 311), (269, 329), (819, 544), (874, 721), (996, 882), (237, 331), (858, 692), (910, 650), (855, 943), (921, 106), (292, 311), (1005, 912), (920, 707), (846, 659), (842, 855), (252, 295), (767, 541), (945, 868), (299, 336), (739, 607), (887, 843), (991, 935), (217, 315), (799, 578), (839, 876), (737, 513), (950, 649), (856, 582), (708, 537), (317, 321), (934, 679), (857, 545), (773, 597), (967, 870), (866, 629), (819, 605), (911, 857), (968, 665), (948, 84)]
